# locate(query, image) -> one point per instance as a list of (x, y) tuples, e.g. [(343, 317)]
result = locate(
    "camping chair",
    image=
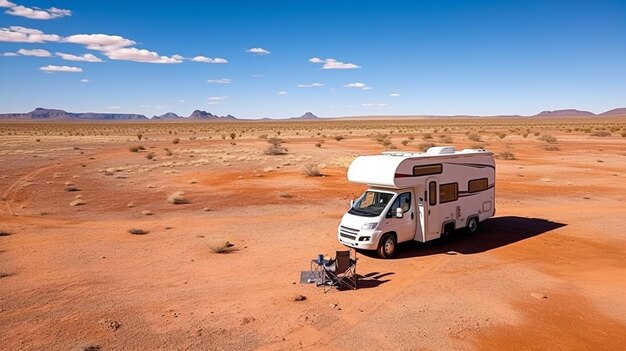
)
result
[(341, 272)]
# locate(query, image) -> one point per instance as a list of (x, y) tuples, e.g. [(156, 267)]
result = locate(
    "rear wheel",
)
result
[(387, 246), (448, 230), (472, 225)]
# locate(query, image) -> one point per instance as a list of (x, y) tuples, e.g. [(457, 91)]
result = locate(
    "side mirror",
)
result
[(399, 212)]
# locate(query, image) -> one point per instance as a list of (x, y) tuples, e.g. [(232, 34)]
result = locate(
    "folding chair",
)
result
[(341, 272)]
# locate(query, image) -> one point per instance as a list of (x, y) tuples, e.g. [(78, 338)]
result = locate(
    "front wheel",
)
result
[(387, 246), (472, 225)]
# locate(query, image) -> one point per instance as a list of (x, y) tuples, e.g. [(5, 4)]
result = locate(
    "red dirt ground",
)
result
[(547, 273)]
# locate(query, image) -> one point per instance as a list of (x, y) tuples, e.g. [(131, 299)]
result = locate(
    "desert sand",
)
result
[(546, 273)]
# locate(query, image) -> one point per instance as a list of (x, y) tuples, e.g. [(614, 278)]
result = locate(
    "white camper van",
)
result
[(417, 196)]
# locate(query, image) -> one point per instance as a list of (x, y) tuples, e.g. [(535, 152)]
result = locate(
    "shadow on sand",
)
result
[(493, 233)]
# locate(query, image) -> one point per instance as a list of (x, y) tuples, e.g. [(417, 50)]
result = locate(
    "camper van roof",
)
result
[(382, 170)]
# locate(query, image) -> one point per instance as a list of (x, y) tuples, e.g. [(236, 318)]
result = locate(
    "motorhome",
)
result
[(417, 197)]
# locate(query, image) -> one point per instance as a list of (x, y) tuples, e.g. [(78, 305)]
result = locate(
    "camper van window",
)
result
[(371, 204), (432, 193), (448, 192), (403, 201), (476, 185), (427, 170)]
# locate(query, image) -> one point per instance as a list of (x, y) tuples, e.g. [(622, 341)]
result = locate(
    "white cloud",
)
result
[(209, 59), (53, 68), (330, 63), (375, 105), (34, 52), (145, 106), (34, 13), (9, 54), (220, 81), (18, 34), (214, 100), (99, 42), (358, 85), (258, 51), (313, 85), (258, 76), (394, 94), (85, 81), (115, 107), (140, 55), (282, 92), (83, 58)]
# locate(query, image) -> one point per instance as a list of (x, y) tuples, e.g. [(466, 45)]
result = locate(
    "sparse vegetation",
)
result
[(136, 231), (425, 146), (549, 147), (474, 137), (222, 247), (168, 152), (311, 170), (177, 198), (506, 155), (339, 137), (150, 155), (600, 133), (176, 141), (275, 147), (318, 144), (548, 138)]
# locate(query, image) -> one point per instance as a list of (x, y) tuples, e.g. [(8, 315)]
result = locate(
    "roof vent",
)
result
[(440, 150)]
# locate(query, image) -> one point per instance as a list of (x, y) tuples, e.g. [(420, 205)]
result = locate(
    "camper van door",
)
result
[(432, 222)]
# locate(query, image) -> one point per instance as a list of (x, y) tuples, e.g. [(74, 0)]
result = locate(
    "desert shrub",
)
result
[(446, 139), (405, 142), (318, 144), (474, 137), (137, 231), (379, 137), (233, 135), (548, 138), (425, 146), (222, 247), (177, 198), (175, 141), (477, 146), (275, 141), (141, 147), (411, 138), (427, 136), (600, 133), (275, 150), (536, 133), (501, 135), (263, 136), (150, 155), (549, 147), (506, 155), (167, 151), (524, 135), (134, 149), (339, 137), (139, 136), (311, 170), (623, 134)]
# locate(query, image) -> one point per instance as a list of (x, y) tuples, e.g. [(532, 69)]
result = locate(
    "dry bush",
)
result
[(318, 144), (275, 141), (263, 136), (167, 152), (311, 170), (506, 155), (474, 137), (425, 146), (233, 136), (150, 155), (177, 198), (427, 136), (77, 202), (623, 134), (222, 247), (136, 231), (134, 149), (446, 140), (549, 147), (275, 150), (600, 133), (405, 142), (339, 137), (139, 136), (285, 195), (501, 135), (175, 141), (547, 138)]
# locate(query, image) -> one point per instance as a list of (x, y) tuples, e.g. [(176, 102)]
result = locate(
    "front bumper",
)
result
[(358, 239)]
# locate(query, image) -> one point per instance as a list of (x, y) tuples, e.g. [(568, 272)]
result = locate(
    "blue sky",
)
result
[(334, 58)]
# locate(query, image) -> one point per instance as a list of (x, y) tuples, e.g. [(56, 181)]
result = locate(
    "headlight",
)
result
[(369, 226)]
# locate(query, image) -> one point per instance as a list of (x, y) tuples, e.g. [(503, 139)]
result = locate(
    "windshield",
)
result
[(371, 204)]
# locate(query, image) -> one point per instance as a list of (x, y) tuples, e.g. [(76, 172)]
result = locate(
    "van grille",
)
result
[(348, 233)]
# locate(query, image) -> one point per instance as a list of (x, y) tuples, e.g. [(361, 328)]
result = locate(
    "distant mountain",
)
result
[(203, 115), (565, 113), (306, 116), (614, 112), (169, 115), (51, 114)]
